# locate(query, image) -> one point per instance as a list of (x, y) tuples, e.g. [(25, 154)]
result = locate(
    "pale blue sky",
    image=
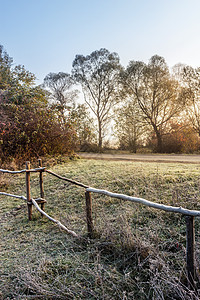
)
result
[(45, 35)]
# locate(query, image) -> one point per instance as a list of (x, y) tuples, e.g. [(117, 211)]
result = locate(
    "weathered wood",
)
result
[(41, 183), (53, 220), (28, 191), (36, 170), (66, 179), (90, 225), (12, 172), (12, 195), (22, 171), (39, 201), (195, 213), (190, 245)]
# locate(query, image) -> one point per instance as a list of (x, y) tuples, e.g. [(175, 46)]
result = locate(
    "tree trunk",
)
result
[(133, 146), (100, 135), (159, 139), (159, 142)]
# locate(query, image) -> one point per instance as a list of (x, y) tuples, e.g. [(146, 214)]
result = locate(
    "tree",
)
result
[(156, 92), (83, 125), (180, 138), (98, 74), (60, 85), (190, 80), (5, 66), (129, 125), (28, 123)]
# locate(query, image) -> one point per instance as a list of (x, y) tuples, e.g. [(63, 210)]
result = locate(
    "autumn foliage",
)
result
[(180, 138), (143, 105), (29, 126), (32, 130)]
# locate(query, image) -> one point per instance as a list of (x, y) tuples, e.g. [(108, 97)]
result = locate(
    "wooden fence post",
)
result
[(90, 226), (28, 191), (190, 257), (41, 184)]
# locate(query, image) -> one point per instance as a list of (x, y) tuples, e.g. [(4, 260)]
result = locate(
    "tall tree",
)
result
[(83, 125), (98, 74), (59, 85), (190, 79), (156, 92), (129, 125)]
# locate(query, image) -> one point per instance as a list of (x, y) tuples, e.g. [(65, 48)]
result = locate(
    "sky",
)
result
[(46, 35)]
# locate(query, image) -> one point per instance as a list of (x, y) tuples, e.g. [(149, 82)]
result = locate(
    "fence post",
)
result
[(41, 184), (90, 226), (190, 257), (28, 191)]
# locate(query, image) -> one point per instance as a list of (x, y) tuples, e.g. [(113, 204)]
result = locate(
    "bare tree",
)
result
[(83, 124), (59, 85), (129, 125), (156, 92), (190, 80), (98, 74)]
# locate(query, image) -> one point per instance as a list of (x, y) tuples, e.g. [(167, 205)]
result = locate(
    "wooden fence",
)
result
[(189, 214)]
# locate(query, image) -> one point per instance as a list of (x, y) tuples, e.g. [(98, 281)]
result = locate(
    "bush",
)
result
[(33, 130), (181, 138), (90, 147), (29, 126)]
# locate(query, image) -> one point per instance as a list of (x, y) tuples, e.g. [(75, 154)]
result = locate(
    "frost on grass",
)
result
[(137, 252)]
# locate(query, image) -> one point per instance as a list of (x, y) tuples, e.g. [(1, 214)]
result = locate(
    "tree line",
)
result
[(146, 104)]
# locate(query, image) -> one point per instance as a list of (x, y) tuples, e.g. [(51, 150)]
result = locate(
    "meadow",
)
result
[(137, 252)]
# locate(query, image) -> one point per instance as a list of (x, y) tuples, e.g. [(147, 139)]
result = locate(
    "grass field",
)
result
[(137, 253)]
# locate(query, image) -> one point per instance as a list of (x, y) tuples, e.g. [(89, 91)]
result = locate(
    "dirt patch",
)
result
[(162, 158)]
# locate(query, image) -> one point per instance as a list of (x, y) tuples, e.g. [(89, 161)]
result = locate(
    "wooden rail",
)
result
[(53, 220), (180, 210), (189, 214), (190, 219), (67, 179), (12, 195), (23, 171), (30, 201)]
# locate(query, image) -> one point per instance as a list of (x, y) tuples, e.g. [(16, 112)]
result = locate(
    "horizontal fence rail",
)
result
[(22, 171), (189, 214), (145, 202), (14, 196), (67, 179), (168, 208)]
